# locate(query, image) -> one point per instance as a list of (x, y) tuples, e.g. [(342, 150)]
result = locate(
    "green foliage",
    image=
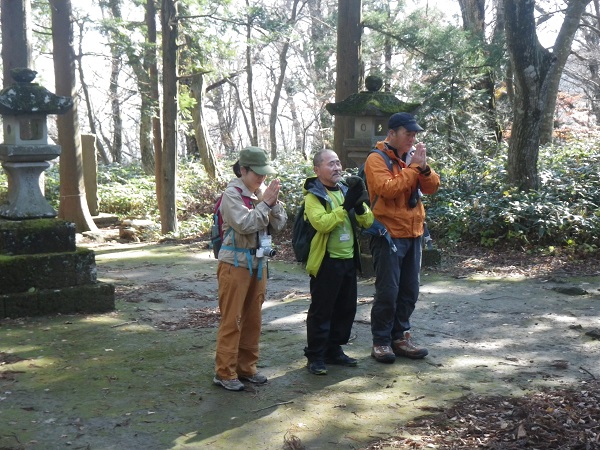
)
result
[(449, 71), (475, 205), (52, 186), (124, 190), (292, 172)]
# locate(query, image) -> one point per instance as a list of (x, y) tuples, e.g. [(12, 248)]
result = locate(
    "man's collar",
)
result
[(389, 147)]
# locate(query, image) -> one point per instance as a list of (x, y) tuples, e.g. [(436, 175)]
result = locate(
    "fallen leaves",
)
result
[(199, 318), (557, 418)]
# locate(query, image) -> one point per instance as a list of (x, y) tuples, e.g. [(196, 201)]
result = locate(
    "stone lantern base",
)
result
[(42, 272)]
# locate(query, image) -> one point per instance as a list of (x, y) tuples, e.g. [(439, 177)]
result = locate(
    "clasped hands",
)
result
[(419, 156), (356, 195), (271, 193)]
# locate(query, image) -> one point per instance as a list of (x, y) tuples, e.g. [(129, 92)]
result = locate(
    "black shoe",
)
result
[(317, 368), (342, 360)]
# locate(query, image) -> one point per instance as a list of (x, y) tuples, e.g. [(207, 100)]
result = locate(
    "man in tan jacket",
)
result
[(395, 194)]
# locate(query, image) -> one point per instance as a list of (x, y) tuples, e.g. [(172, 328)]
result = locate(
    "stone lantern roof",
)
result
[(370, 102), (27, 98)]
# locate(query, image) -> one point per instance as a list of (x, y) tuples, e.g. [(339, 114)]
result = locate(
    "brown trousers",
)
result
[(240, 300)]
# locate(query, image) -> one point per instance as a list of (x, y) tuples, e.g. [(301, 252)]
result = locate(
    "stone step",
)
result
[(86, 299), (104, 220), (25, 237), (27, 273)]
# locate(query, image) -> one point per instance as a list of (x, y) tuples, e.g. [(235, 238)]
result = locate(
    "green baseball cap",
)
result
[(256, 158)]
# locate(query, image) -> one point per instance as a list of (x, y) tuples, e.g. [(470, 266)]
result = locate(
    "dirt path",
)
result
[(140, 377)]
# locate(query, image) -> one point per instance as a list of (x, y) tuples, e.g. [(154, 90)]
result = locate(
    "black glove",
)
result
[(353, 180), (359, 207), (352, 195)]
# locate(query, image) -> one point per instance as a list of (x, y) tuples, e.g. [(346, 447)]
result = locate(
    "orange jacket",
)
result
[(393, 190)]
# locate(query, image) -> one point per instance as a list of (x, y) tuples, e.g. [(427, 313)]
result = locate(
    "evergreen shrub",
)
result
[(475, 204)]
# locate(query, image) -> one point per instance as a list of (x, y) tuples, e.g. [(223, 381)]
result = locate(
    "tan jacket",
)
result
[(246, 223), (393, 190)]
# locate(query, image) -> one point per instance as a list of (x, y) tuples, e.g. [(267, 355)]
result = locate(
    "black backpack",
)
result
[(303, 234)]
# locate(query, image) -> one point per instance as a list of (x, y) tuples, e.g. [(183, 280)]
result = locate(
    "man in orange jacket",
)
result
[(395, 195)]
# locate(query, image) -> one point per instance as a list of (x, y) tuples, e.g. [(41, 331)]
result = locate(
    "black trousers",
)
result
[(332, 309)]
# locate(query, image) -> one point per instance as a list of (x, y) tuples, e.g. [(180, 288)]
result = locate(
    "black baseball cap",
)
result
[(405, 120)]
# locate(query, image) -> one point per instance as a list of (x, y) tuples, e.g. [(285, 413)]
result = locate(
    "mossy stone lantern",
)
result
[(25, 151), (370, 110)]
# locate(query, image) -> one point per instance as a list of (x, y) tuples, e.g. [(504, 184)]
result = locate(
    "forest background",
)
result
[(173, 90)]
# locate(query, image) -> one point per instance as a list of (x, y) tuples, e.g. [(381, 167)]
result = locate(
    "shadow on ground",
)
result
[(140, 377)]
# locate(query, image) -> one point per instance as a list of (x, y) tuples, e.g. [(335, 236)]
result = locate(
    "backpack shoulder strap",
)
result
[(388, 161), (249, 253), (247, 200)]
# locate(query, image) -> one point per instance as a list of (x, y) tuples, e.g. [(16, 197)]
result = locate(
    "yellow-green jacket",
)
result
[(325, 218)]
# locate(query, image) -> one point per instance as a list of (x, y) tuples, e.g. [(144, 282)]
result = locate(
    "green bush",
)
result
[(475, 205), (124, 190)]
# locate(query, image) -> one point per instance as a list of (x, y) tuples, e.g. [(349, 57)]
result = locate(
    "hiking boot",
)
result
[(383, 354), (317, 367), (341, 360), (407, 348), (231, 385), (257, 378)]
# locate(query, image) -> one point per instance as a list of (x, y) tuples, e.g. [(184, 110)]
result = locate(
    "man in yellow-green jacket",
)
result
[(335, 208)]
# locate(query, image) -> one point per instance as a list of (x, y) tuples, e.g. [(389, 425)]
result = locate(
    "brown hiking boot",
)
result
[(383, 354), (407, 348)]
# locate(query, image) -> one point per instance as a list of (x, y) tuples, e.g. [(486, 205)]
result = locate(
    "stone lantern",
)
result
[(42, 271), (370, 111), (25, 152)]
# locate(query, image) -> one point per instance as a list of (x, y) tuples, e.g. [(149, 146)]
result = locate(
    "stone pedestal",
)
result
[(42, 272), (24, 165)]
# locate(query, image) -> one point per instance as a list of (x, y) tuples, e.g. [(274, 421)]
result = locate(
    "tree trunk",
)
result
[(206, 152), (536, 73), (388, 49), (593, 39), (158, 158), (150, 105), (152, 63), (226, 121), (88, 101), (250, 78), (16, 37), (320, 68), (116, 62), (298, 131), (349, 33), (530, 63), (561, 52), (73, 205), (168, 174), (279, 85), (473, 15)]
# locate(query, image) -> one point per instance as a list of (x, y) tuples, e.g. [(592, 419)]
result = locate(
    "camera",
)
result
[(265, 248), (415, 196)]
